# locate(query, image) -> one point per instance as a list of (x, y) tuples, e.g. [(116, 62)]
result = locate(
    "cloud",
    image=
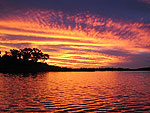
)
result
[(135, 61), (118, 9), (81, 40)]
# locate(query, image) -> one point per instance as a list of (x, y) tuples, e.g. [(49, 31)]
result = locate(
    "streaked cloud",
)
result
[(77, 40)]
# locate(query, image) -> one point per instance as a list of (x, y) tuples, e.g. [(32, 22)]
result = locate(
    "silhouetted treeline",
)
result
[(26, 60), (112, 69)]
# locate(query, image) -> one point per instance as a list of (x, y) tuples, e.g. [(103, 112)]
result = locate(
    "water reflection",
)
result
[(75, 92)]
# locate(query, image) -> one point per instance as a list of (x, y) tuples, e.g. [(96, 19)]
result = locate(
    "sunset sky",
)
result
[(79, 33)]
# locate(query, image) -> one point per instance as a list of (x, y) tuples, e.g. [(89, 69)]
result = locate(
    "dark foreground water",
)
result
[(75, 92)]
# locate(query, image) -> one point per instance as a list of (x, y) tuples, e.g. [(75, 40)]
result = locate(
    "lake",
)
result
[(75, 92)]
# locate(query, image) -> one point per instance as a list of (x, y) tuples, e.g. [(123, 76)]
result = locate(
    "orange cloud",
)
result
[(78, 41)]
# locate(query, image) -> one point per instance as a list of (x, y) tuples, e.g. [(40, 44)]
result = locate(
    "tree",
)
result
[(26, 54), (45, 57), (15, 54), (34, 54)]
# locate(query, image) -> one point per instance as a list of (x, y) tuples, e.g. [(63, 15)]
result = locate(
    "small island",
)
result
[(33, 60), (25, 60)]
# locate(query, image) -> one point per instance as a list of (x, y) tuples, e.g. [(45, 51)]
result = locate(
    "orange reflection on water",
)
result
[(74, 91), (77, 87)]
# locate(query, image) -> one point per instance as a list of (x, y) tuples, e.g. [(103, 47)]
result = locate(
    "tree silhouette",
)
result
[(23, 60), (37, 54), (15, 53), (26, 54)]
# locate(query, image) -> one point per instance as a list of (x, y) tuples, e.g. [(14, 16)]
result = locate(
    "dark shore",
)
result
[(27, 67), (26, 61)]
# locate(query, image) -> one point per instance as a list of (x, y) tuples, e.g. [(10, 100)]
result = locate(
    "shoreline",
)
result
[(42, 67)]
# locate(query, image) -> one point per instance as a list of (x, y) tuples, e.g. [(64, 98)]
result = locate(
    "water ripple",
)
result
[(68, 92)]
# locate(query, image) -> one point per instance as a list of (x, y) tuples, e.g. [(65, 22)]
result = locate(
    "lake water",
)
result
[(75, 92)]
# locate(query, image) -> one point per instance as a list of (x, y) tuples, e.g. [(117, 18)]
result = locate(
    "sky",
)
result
[(79, 33)]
